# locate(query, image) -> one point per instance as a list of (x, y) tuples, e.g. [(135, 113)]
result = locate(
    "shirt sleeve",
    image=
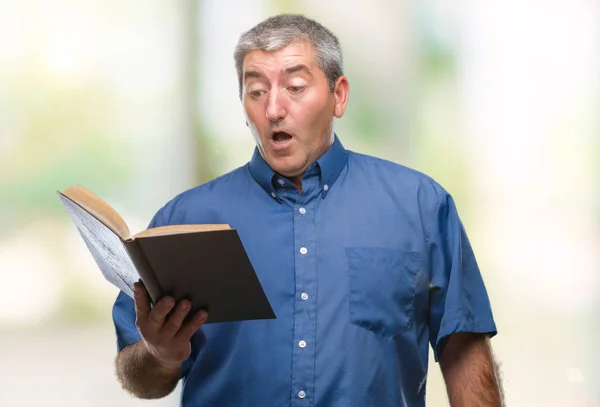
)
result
[(458, 298), (123, 312)]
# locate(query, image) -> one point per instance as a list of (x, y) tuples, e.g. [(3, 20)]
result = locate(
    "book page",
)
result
[(100, 209), (176, 229), (105, 246)]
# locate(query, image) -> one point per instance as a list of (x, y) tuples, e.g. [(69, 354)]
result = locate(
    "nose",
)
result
[(276, 106)]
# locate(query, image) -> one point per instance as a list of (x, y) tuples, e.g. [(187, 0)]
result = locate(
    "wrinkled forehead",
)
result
[(276, 62)]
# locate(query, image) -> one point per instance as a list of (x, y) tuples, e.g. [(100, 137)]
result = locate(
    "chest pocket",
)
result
[(382, 288)]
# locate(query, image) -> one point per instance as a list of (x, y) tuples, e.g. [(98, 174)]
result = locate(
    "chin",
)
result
[(286, 170)]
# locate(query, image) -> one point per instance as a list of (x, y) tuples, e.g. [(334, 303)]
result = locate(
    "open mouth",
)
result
[(281, 137)]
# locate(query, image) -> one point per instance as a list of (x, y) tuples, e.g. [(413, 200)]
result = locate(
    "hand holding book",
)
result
[(167, 328)]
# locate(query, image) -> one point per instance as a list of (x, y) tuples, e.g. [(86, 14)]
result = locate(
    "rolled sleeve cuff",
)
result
[(462, 321), (124, 321)]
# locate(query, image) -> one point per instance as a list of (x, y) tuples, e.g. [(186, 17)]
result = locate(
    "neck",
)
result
[(297, 181)]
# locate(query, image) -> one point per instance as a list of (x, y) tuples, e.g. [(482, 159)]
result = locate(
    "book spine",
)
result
[(147, 274)]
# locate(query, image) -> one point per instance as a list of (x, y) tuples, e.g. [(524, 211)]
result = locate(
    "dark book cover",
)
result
[(209, 268)]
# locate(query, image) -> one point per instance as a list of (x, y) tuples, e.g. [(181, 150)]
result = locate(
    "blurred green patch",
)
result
[(64, 134), (30, 196)]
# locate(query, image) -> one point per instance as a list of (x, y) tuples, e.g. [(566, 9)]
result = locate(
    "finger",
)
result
[(156, 317), (141, 300), (189, 329), (175, 320)]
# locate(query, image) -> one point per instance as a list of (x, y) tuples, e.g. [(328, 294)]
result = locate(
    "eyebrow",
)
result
[(298, 68), (288, 71), (251, 74)]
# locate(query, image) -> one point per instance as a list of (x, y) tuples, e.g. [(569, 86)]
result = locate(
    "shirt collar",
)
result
[(331, 164)]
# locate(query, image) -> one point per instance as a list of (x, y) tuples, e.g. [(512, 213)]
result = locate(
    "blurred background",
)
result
[(137, 101)]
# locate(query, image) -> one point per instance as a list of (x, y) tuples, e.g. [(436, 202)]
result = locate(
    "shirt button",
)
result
[(302, 344), (325, 187), (273, 195), (303, 250), (280, 182), (301, 394), (304, 296), (302, 211)]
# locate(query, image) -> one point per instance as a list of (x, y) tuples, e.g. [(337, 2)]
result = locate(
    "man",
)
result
[(363, 261)]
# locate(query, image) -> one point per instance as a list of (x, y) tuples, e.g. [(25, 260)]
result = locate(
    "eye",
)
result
[(256, 93), (296, 89)]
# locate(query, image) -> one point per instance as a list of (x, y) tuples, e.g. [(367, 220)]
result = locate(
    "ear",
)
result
[(341, 92)]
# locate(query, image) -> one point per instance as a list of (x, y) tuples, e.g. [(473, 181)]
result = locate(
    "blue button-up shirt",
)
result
[(363, 269)]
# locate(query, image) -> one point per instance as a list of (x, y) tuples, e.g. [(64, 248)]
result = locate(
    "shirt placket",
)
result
[(303, 354)]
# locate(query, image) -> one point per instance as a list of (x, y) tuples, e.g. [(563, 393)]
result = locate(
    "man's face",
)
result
[(289, 106)]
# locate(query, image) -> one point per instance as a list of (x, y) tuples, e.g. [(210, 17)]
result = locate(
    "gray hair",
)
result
[(280, 31)]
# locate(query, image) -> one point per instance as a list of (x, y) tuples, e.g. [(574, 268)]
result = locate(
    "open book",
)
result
[(206, 264)]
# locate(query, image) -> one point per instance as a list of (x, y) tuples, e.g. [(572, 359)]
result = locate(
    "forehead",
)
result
[(295, 53)]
